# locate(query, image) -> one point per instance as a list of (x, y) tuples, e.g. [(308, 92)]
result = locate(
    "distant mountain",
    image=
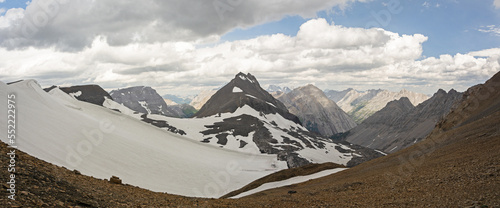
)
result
[(399, 124), (316, 112), (142, 99), (275, 88), (88, 93), (178, 99), (362, 104), (202, 98), (336, 96), (182, 111)]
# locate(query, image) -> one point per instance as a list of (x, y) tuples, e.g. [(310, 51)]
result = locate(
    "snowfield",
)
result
[(100, 142)]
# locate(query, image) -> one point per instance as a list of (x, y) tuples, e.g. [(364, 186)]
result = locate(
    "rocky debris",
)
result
[(400, 124), (316, 112), (115, 180)]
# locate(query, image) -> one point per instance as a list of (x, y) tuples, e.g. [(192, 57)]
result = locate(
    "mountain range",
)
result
[(456, 165), (400, 124), (362, 104), (128, 135)]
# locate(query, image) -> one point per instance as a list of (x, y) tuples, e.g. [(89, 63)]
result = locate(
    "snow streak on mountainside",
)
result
[(100, 142), (400, 124), (362, 104), (316, 112)]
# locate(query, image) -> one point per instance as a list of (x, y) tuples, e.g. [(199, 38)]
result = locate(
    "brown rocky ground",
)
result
[(458, 165)]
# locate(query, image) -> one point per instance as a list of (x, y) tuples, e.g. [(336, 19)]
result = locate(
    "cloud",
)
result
[(492, 29), (329, 55), (496, 3), (72, 25)]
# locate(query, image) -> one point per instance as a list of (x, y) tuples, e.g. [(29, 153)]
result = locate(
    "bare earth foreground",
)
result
[(458, 165)]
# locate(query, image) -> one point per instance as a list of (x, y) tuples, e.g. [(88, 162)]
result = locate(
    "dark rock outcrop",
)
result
[(87, 93)]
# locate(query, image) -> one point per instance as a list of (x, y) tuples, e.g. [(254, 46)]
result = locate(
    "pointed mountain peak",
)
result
[(243, 90), (246, 77)]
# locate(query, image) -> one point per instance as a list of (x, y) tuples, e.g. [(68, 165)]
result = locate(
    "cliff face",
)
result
[(316, 112)]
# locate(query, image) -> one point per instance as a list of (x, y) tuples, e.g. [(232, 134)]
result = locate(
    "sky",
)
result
[(184, 47)]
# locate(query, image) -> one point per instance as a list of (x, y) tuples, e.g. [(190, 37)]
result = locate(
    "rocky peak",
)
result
[(318, 113), (243, 90)]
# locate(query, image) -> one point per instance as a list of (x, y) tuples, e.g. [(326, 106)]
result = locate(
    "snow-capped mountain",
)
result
[(316, 112), (243, 117), (399, 124), (101, 142), (275, 88), (362, 104)]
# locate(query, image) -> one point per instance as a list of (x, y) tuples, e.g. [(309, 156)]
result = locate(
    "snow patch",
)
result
[(237, 89), (76, 94), (287, 182)]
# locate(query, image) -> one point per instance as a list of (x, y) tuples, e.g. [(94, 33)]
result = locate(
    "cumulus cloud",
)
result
[(496, 3), (328, 55), (72, 25)]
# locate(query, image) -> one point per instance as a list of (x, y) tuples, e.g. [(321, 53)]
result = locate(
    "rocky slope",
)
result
[(400, 124), (316, 112), (362, 104)]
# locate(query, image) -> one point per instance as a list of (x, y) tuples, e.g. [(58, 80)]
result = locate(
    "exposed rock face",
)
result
[(316, 112), (142, 99), (244, 90), (362, 104), (400, 124), (87, 93)]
